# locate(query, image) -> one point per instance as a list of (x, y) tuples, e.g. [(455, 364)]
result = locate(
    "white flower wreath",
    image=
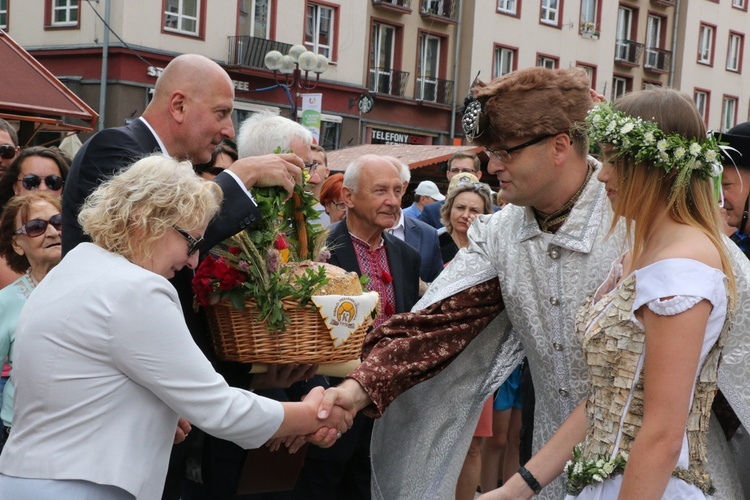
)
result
[(644, 142)]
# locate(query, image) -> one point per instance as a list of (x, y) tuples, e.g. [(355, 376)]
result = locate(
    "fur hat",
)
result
[(530, 102), (738, 138)]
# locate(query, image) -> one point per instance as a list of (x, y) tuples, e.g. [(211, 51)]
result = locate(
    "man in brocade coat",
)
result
[(516, 290)]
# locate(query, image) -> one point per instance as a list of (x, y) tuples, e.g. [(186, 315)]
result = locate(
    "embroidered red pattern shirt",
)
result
[(374, 264)]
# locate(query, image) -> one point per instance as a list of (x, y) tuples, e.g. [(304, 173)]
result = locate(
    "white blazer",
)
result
[(104, 364)]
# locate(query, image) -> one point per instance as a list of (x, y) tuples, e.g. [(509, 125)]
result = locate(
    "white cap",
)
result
[(428, 188)]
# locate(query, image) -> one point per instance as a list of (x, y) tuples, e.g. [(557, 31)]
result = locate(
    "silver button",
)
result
[(563, 393), (554, 301), (558, 346), (554, 253)]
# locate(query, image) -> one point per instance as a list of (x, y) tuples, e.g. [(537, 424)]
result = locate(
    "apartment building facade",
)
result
[(398, 70), (396, 59)]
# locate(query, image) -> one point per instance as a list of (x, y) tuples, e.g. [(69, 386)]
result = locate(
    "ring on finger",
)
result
[(338, 436)]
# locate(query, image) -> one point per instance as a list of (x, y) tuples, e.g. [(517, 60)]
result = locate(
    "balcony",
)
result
[(444, 11), (628, 52), (658, 60), (399, 6), (434, 90), (663, 3), (388, 81), (249, 51)]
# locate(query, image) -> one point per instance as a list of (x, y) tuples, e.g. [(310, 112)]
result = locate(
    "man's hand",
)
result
[(349, 395), (183, 429), (283, 170), (282, 376)]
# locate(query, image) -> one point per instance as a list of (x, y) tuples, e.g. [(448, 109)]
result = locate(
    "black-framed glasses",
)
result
[(504, 154), (7, 151), (193, 243), (312, 166), (465, 170), (32, 181), (37, 227)]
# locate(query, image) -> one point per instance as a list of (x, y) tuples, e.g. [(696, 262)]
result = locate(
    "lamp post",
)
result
[(291, 67)]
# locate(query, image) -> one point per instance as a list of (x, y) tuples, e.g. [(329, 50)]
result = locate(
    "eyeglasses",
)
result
[(464, 170), (37, 227), (193, 243), (7, 151), (31, 181), (312, 166), (340, 205), (504, 154)]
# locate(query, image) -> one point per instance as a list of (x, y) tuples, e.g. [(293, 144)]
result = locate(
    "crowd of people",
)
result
[(606, 280)]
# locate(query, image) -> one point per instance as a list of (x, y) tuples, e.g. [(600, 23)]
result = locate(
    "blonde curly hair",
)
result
[(130, 212)]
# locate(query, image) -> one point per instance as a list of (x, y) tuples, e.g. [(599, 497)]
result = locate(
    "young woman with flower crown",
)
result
[(652, 333)]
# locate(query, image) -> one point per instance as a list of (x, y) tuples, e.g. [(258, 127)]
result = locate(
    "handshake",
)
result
[(334, 411)]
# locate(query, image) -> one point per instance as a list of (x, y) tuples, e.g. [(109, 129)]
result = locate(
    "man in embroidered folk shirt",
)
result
[(515, 291), (372, 192)]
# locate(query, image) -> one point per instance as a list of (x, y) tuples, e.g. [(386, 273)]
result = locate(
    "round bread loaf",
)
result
[(340, 282)]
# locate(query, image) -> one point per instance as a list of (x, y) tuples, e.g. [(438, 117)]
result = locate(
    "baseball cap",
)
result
[(429, 188), (462, 177)]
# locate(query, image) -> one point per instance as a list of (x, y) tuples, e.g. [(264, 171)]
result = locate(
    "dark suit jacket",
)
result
[(431, 214), (109, 151), (424, 239), (403, 260)]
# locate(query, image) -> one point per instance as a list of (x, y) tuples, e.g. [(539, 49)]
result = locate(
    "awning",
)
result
[(29, 92), (413, 156)]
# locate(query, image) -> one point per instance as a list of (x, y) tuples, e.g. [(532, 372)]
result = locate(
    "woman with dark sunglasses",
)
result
[(30, 243), (35, 169), (105, 363)]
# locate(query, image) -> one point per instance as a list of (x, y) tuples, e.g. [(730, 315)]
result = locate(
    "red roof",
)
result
[(414, 156), (29, 92)]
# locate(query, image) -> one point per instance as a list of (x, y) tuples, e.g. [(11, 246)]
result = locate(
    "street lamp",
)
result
[(291, 67)]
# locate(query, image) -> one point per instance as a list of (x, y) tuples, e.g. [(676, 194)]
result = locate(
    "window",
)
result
[(734, 52), (330, 132), (64, 13), (625, 50), (319, 29), (505, 61), (550, 12), (655, 58), (739, 4), (589, 10), (508, 7), (381, 58), (428, 67), (547, 61), (254, 18), (182, 16), (702, 101), (4, 14), (706, 45), (620, 86), (590, 72), (728, 113)]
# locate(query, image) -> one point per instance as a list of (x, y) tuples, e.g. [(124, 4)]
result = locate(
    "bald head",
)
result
[(191, 111)]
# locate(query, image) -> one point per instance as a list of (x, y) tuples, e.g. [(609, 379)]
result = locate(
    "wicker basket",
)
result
[(238, 335)]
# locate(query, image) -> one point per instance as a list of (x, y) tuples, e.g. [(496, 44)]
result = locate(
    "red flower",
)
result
[(386, 277), (280, 243), (234, 250)]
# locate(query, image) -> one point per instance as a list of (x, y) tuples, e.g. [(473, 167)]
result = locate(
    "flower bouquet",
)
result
[(261, 289)]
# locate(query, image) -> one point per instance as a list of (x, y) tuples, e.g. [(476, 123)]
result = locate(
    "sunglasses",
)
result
[(475, 186), (193, 244), (215, 170), (37, 227), (31, 181), (7, 151)]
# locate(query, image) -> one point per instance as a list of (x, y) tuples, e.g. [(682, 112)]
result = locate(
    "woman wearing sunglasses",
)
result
[(105, 363), (30, 243), (34, 169)]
